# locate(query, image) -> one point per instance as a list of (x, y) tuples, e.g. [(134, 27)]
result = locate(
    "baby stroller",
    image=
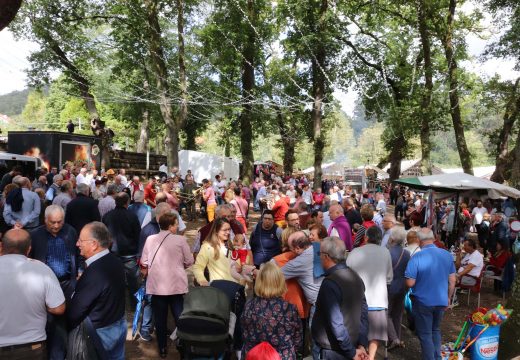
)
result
[(203, 329)]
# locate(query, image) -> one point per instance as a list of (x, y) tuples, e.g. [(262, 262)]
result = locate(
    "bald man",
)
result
[(340, 226), (29, 291)]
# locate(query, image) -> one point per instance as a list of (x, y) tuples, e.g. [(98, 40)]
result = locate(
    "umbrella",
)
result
[(140, 295), (458, 183)]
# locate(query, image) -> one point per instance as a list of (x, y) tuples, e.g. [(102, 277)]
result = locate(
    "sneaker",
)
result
[(146, 337), (454, 304)]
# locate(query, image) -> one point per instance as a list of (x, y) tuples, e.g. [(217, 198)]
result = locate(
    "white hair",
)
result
[(53, 209), (397, 236), (139, 196)]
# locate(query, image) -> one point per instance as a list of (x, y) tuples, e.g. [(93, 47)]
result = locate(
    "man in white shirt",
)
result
[(29, 291), (122, 175), (82, 177), (478, 213), (470, 267)]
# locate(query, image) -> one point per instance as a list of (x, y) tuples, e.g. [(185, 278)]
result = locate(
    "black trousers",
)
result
[(38, 351), (160, 304)]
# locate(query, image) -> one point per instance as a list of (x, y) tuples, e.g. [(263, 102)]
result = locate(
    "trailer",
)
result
[(55, 148)]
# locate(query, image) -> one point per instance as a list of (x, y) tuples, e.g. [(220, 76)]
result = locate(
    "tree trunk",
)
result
[(156, 53), (288, 143), (503, 158), (318, 93), (84, 89), (458, 127), (183, 84), (142, 143), (514, 179), (509, 339), (395, 157), (426, 165), (248, 84)]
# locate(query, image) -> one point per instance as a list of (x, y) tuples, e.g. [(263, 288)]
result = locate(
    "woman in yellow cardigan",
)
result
[(214, 255)]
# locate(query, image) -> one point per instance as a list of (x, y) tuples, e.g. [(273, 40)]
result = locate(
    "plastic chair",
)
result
[(473, 288), (487, 275)]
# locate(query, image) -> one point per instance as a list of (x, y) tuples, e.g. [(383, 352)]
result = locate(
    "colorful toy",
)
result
[(497, 316), (475, 338), (448, 352), (478, 317)]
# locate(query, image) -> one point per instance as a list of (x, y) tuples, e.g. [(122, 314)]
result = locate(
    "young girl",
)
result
[(241, 259)]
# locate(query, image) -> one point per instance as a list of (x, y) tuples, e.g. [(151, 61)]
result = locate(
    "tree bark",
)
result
[(503, 158), (318, 93), (395, 157), (84, 89), (509, 339), (514, 179), (142, 143), (458, 127), (183, 83), (426, 165), (248, 84), (156, 53), (288, 143)]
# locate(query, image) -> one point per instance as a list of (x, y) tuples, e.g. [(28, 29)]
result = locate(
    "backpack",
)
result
[(15, 199)]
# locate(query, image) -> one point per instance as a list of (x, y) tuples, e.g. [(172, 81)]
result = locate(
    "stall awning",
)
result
[(460, 183)]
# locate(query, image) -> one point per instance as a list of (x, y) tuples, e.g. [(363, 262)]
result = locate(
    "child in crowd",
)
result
[(241, 260)]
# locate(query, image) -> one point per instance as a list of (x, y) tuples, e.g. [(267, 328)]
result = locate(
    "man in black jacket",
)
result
[(82, 209), (99, 299), (124, 227), (340, 323), (54, 244)]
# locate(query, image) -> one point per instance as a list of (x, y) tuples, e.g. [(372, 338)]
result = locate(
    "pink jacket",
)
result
[(166, 271)]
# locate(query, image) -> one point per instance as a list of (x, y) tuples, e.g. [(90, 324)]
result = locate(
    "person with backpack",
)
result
[(22, 207)]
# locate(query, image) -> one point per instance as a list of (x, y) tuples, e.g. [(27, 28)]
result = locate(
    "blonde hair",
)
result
[(288, 231), (270, 282)]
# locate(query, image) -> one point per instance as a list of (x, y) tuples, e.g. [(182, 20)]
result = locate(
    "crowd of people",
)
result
[(332, 265)]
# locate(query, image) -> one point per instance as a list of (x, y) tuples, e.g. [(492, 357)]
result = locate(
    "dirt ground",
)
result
[(137, 349)]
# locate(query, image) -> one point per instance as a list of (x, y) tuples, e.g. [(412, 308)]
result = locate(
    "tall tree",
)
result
[(313, 28), (423, 13), (160, 72), (504, 157), (446, 34), (59, 27)]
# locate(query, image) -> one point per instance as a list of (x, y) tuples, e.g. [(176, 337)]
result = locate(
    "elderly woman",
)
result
[(214, 254), (412, 241), (164, 260), (267, 317), (397, 288)]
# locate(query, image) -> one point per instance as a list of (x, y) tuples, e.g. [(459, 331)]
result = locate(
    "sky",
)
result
[(13, 62)]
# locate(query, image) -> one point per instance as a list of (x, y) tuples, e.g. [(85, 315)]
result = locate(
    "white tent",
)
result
[(460, 183)]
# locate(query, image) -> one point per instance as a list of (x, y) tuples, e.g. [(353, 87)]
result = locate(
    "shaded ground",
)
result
[(451, 325)]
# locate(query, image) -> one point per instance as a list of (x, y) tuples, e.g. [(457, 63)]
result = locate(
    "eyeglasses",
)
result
[(83, 240), (323, 253)]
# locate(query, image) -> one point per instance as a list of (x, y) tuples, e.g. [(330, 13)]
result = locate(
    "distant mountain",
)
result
[(13, 103)]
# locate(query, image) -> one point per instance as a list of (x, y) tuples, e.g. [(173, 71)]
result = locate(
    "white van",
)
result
[(29, 164)]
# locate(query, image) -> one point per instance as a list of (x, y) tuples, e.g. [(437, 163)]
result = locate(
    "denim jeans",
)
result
[(113, 338), (427, 326), (315, 349), (146, 325)]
